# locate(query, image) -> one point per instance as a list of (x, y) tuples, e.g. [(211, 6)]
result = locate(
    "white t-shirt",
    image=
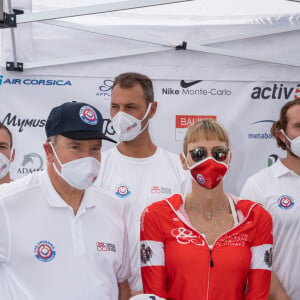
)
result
[(278, 189), (140, 182), (46, 252)]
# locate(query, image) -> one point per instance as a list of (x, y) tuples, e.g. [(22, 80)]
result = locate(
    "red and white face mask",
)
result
[(208, 172)]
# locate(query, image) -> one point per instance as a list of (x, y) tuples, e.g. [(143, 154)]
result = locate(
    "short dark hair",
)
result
[(282, 122), (130, 79), (2, 126)]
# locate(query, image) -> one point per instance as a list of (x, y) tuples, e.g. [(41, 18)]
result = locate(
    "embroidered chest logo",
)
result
[(185, 236), (44, 251), (268, 257), (146, 253), (104, 247), (234, 240), (285, 202), (160, 190), (122, 191)]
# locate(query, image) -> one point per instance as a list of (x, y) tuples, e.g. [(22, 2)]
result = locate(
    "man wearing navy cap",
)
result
[(60, 236)]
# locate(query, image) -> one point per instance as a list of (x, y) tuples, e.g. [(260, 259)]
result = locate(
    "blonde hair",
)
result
[(207, 129)]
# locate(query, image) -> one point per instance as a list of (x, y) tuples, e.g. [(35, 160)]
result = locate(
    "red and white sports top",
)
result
[(178, 264)]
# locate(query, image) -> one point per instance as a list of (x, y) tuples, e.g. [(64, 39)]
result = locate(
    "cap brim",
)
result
[(86, 135)]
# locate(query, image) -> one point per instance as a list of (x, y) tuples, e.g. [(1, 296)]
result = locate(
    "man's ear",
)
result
[(281, 136), (49, 152), (13, 154), (153, 109), (183, 162)]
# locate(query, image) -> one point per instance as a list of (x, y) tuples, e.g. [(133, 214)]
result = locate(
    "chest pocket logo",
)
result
[(185, 236)]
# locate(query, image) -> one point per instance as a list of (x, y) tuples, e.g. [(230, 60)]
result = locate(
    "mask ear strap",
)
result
[(55, 154), (147, 113), (281, 130)]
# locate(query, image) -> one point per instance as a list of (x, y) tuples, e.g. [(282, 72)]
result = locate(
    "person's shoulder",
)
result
[(20, 185), (106, 198), (256, 208), (166, 204)]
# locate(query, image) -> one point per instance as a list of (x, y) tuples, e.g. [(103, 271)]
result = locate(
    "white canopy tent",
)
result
[(226, 40)]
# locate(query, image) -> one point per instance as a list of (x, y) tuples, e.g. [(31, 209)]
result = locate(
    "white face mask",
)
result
[(295, 144), (79, 173), (4, 165), (128, 127)]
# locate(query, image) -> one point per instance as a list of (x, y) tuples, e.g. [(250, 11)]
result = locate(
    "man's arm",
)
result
[(124, 290), (277, 292)]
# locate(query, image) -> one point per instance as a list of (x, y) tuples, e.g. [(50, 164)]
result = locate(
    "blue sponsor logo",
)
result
[(276, 92), (34, 81), (260, 134), (105, 88)]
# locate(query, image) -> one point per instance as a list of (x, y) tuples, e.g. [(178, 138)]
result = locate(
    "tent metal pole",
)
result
[(92, 9), (13, 38), (94, 57)]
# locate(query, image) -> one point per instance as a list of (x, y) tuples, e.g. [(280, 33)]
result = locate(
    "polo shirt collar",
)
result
[(280, 169), (55, 200)]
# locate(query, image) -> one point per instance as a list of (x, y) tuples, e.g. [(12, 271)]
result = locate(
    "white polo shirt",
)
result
[(278, 189), (138, 182), (46, 252)]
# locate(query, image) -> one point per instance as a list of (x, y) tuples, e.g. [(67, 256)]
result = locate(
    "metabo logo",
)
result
[(276, 92), (105, 88), (13, 120), (30, 81), (31, 162), (261, 132), (186, 90)]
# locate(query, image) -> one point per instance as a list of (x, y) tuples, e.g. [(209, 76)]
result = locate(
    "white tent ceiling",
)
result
[(226, 40)]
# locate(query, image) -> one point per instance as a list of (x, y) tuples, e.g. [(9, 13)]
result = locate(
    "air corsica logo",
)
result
[(104, 89), (88, 115), (276, 92), (15, 121), (31, 162), (44, 251), (200, 179), (30, 81)]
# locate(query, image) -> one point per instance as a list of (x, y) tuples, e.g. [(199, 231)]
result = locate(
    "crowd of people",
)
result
[(140, 222)]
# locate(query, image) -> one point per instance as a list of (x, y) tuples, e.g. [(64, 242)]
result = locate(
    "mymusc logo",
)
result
[(13, 120), (260, 130), (104, 89), (34, 81), (276, 92)]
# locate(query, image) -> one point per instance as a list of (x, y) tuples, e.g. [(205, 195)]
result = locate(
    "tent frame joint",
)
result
[(182, 46), (10, 66), (9, 20)]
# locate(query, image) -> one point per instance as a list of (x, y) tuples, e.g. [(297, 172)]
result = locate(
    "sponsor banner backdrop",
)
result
[(246, 109)]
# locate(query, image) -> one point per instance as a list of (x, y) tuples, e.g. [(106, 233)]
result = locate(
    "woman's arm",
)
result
[(259, 276), (152, 255)]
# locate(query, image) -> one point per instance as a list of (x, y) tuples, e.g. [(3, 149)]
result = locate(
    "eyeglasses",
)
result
[(200, 153)]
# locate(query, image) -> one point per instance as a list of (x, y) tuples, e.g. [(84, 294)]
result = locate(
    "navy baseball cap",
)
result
[(77, 121)]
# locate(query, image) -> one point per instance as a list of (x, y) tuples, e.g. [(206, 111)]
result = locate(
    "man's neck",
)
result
[(140, 147), (292, 162), (5, 179)]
